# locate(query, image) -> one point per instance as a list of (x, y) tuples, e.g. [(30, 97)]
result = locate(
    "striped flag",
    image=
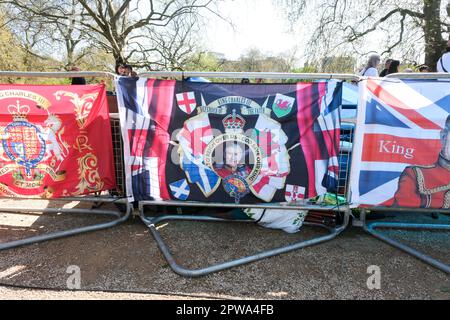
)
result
[(145, 128), (320, 110)]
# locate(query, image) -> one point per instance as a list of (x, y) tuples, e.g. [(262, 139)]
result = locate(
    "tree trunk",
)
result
[(70, 55), (118, 48), (434, 42), (118, 56)]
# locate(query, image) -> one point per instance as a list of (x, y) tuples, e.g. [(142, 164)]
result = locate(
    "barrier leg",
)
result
[(119, 218), (371, 229), (153, 222)]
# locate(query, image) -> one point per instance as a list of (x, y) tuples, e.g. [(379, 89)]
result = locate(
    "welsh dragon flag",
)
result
[(233, 143)]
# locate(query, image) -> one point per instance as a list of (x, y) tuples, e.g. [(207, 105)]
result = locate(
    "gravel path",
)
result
[(7, 293), (126, 259)]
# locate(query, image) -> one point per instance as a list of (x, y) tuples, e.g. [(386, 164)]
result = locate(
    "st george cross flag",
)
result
[(55, 141), (186, 102), (402, 147), (229, 142)]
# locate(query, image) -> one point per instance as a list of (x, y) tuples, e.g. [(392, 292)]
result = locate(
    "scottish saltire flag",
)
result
[(197, 172), (400, 150), (180, 189), (227, 143)]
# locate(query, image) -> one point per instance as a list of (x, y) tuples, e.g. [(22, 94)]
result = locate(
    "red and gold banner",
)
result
[(55, 141)]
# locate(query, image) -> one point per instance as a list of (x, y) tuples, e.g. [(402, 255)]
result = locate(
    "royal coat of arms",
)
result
[(45, 152)]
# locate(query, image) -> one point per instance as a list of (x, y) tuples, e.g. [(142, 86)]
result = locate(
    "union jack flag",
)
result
[(145, 138), (399, 125)]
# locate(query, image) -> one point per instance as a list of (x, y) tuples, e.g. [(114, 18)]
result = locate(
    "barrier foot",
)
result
[(152, 225), (119, 218), (371, 229)]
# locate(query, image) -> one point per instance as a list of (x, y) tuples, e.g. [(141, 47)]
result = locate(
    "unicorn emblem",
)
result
[(54, 142)]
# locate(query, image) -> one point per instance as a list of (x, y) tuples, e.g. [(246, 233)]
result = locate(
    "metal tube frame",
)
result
[(423, 75), (119, 216), (152, 224), (371, 228), (252, 75)]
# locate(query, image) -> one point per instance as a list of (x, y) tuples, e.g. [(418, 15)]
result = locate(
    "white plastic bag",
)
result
[(287, 220)]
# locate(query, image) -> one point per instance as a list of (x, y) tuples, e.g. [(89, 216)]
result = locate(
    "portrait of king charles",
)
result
[(231, 156), (233, 162), (427, 186)]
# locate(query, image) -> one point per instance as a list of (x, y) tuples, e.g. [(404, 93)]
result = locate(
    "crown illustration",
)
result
[(19, 112), (233, 122)]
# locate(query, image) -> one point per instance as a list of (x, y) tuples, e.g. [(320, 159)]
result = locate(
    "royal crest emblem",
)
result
[(236, 186), (22, 141), (230, 155), (30, 147)]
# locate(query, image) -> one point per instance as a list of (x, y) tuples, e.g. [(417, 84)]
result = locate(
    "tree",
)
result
[(15, 56), (253, 60), (42, 38), (173, 45), (72, 38), (204, 61), (11, 53), (410, 28), (120, 27), (338, 64)]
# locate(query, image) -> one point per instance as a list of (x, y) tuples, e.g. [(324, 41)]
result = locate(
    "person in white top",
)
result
[(371, 69), (443, 64)]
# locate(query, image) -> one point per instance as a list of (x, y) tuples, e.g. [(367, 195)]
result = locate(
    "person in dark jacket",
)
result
[(77, 80), (386, 68), (393, 67)]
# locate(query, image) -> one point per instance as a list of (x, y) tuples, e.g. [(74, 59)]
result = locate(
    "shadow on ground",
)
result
[(126, 258)]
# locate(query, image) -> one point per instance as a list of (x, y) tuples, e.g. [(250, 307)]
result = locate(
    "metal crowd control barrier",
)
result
[(153, 222), (372, 227), (118, 199)]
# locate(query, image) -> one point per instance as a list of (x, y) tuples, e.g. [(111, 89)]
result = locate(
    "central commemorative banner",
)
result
[(402, 144), (55, 141), (225, 143)]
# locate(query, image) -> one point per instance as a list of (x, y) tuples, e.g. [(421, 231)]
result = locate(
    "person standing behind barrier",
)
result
[(371, 69), (129, 71), (123, 70), (393, 67), (427, 186), (386, 68), (443, 64), (77, 80), (424, 68)]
